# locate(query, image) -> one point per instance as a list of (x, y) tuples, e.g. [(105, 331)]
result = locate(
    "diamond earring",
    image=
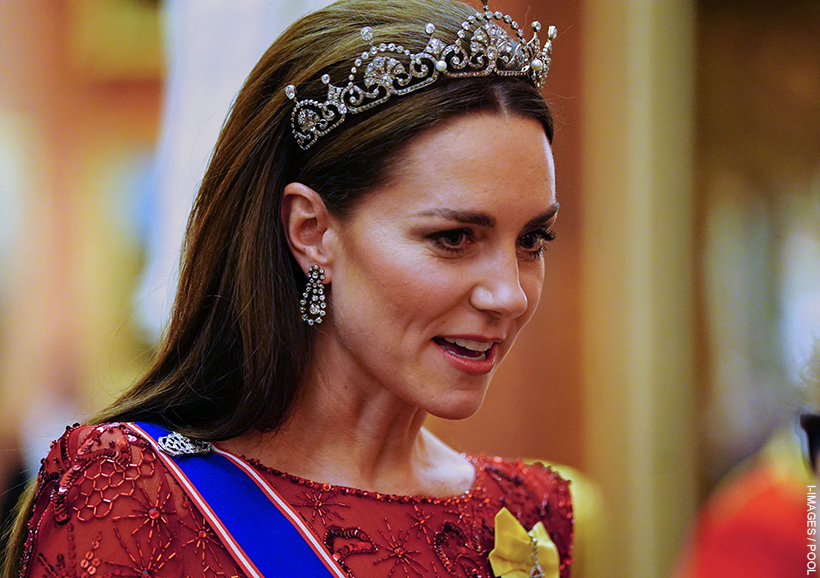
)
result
[(312, 305)]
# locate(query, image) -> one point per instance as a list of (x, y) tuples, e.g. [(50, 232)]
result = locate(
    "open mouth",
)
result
[(465, 348)]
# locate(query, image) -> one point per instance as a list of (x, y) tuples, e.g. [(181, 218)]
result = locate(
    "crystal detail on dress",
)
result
[(167, 535), (175, 444)]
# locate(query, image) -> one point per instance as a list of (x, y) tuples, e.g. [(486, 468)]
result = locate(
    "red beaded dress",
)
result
[(106, 506)]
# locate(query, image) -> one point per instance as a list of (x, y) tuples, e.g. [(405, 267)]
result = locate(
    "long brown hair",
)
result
[(236, 349)]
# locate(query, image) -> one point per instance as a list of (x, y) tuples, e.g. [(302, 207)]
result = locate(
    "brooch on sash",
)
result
[(176, 444)]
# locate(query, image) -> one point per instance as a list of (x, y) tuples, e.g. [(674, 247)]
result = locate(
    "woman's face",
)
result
[(434, 275)]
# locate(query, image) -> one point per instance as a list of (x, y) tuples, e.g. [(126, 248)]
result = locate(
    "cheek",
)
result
[(532, 281), (384, 286)]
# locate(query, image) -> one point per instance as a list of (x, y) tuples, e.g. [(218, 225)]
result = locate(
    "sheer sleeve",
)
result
[(536, 493), (104, 504), (555, 508)]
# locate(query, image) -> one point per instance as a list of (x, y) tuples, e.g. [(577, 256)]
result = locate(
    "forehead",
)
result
[(481, 162)]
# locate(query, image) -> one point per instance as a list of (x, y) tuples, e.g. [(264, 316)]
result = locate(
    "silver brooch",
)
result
[(176, 444)]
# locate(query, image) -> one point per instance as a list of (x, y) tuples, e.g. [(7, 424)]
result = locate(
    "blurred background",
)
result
[(676, 339)]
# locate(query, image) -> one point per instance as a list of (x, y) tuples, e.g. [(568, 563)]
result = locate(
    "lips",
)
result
[(466, 348), (471, 354)]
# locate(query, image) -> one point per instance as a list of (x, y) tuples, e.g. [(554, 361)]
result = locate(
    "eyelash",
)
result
[(438, 238), (546, 236)]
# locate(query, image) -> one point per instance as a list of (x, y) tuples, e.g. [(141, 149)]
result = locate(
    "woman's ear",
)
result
[(308, 226)]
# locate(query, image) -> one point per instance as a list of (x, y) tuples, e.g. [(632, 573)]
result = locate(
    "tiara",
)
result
[(483, 48)]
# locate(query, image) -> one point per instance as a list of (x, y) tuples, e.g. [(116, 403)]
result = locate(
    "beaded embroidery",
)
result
[(126, 516)]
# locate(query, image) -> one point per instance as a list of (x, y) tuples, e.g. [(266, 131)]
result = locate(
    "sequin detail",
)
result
[(105, 506)]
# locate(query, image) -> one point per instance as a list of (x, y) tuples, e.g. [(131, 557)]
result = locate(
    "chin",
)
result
[(461, 408)]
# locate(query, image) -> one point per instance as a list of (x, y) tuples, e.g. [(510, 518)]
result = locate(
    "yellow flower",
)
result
[(522, 554)]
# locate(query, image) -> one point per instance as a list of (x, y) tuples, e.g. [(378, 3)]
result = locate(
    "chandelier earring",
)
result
[(312, 305)]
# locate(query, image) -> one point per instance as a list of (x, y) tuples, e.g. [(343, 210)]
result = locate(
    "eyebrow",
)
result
[(543, 217), (484, 220), (465, 217)]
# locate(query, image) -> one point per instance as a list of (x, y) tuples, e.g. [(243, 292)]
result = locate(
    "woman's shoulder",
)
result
[(84, 440), (533, 492), (103, 500), (110, 454), (532, 475), (83, 447)]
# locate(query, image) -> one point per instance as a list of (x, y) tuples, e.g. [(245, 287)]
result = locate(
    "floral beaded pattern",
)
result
[(374, 534), (105, 506)]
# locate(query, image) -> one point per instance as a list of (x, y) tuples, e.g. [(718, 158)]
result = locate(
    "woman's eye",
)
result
[(455, 240), (535, 241)]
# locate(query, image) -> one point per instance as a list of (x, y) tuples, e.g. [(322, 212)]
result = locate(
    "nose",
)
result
[(499, 290)]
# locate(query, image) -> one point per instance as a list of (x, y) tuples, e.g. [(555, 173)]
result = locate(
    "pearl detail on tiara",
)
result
[(389, 69)]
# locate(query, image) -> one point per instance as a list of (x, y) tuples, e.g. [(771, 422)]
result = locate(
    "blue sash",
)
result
[(263, 533)]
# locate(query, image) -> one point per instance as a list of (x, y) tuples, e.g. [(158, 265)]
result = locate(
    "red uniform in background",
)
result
[(755, 525)]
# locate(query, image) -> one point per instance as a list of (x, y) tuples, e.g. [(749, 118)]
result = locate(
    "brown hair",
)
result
[(236, 348)]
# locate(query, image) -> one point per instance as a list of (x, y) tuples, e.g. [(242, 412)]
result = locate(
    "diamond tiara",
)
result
[(483, 48)]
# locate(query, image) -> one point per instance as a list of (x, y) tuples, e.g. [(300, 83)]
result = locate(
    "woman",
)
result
[(364, 248)]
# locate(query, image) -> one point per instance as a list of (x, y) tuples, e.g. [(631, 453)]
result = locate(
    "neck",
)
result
[(352, 432)]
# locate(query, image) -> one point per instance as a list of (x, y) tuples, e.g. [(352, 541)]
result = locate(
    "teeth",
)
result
[(480, 346)]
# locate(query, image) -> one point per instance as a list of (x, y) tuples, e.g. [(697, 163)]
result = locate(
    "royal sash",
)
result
[(263, 533)]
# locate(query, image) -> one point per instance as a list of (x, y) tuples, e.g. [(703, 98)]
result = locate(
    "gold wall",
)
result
[(80, 125)]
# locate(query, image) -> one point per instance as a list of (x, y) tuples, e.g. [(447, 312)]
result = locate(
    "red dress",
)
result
[(106, 506)]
